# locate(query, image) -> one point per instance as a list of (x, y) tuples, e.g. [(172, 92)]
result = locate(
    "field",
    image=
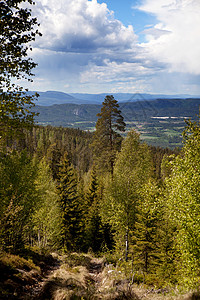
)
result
[(157, 132)]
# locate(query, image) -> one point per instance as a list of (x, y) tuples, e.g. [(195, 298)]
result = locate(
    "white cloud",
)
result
[(113, 71), (179, 45), (80, 25), (85, 49)]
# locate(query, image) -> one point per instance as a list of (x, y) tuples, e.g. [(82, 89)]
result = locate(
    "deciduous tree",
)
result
[(183, 202), (46, 219), (122, 195), (16, 33), (18, 197)]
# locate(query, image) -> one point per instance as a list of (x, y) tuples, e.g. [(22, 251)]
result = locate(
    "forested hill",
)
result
[(64, 114), (160, 122)]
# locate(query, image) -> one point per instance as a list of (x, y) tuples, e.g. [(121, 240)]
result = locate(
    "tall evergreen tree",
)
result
[(70, 208), (107, 140), (146, 246), (93, 224)]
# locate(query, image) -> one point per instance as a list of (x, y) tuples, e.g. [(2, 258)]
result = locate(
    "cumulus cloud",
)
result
[(81, 26), (175, 40), (85, 48), (82, 41)]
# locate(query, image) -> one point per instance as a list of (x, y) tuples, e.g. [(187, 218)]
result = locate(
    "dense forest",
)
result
[(160, 122), (64, 190), (70, 190)]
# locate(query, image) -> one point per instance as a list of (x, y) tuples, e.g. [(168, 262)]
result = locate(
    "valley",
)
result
[(160, 122)]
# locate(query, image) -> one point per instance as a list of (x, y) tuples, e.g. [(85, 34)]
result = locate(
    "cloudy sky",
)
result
[(118, 46)]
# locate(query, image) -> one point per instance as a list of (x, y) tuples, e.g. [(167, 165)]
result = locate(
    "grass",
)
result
[(81, 276), (15, 261), (16, 273), (72, 280)]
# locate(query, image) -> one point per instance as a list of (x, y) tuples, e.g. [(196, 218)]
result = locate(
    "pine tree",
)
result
[(70, 208), (107, 140)]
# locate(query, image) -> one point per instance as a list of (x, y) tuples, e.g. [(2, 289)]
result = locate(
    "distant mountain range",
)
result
[(53, 97)]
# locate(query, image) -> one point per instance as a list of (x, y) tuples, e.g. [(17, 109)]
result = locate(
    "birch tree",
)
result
[(122, 194)]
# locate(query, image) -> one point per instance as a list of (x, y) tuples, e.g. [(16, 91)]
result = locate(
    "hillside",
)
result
[(160, 121)]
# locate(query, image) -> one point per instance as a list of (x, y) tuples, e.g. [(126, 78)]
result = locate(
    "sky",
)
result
[(114, 46)]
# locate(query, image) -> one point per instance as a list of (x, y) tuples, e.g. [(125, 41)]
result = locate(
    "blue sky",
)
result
[(109, 46), (128, 14)]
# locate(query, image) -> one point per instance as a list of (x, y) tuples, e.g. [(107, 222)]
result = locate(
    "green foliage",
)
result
[(182, 196), (98, 235), (122, 195), (18, 198), (70, 207), (10, 237), (93, 223), (46, 230), (26, 184), (53, 142), (146, 248), (17, 31), (159, 156), (48, 199), (107, 140)]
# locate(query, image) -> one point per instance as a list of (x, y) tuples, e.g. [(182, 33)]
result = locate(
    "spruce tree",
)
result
[(146, 246), (94, 229), (70, 208), (107, 139)]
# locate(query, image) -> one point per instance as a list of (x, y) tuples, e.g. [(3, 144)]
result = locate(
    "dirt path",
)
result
[(77, 276), (32, 292), (81, 276)]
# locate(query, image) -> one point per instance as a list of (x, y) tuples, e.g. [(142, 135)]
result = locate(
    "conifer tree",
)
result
[(146, 246), (94, 228), (70, 208), (107, 140)]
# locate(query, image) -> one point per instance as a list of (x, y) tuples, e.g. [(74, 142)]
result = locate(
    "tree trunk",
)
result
[(127, 244)]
